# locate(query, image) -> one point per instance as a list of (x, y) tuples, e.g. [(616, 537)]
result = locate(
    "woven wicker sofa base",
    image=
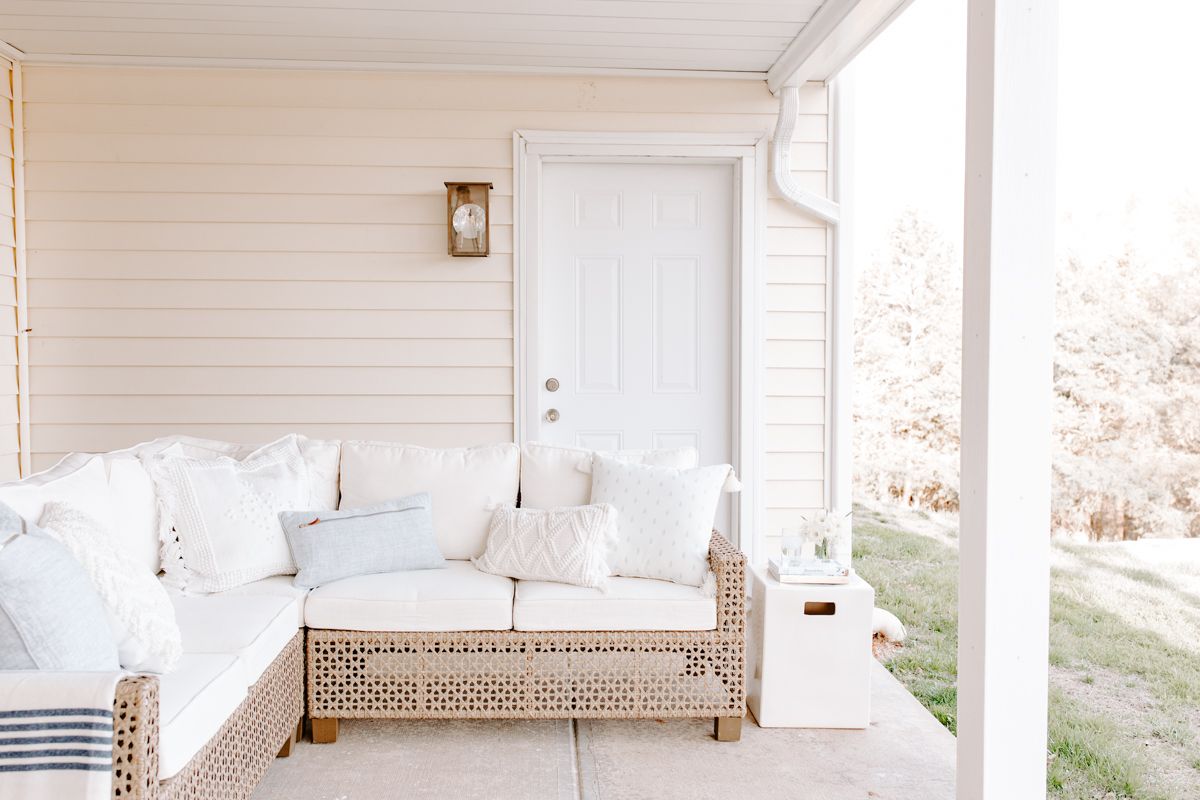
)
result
[(513, 674), (234, 760), (518, 674)]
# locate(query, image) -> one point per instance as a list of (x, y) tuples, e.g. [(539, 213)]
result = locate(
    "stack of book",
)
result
[(824, 571)]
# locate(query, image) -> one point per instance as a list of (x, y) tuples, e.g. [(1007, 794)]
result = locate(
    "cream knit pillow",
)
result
[(566, 545)]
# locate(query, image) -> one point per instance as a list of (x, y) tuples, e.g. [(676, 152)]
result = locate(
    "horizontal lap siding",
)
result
[(237, 254), (10, 440), (796, 460)]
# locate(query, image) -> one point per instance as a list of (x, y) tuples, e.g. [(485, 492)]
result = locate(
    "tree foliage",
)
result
[(1126, 449), (908, 324)]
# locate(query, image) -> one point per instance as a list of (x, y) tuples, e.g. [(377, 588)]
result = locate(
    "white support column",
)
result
[(1008, 316)]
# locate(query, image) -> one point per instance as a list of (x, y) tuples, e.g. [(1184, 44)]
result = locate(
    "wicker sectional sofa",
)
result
[(539, 674), (453, 643), (233, 761)]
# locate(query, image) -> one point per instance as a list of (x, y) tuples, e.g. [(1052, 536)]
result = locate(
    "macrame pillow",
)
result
[(139, 611), (565, 545)]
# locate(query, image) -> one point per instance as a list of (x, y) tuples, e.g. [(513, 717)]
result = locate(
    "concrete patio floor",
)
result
[(904, 755)]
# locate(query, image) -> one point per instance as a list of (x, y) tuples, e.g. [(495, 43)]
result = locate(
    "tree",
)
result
[(1127, 408), (1126, 450), (907, 369)]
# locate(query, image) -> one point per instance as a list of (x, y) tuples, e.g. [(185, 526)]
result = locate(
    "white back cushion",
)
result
[(78, 479), (321, 456), (133, 505), (466, 485), (551, 476)]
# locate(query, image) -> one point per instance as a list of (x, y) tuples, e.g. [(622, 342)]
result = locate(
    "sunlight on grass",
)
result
[(1123, 724), (1087, 756), (1083, 635), (916, 578)]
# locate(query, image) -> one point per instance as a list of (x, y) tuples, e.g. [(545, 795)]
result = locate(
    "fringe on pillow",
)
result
[(170, 550)]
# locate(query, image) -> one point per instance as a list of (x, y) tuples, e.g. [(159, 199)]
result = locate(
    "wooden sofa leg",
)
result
[(300, 729), (288, 743), (728, 729), (324, 731)]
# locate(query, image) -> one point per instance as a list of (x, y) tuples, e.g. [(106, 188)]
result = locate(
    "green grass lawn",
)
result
[(1125, 691)]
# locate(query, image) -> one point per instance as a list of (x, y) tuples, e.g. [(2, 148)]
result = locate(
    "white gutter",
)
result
[(781, 162)]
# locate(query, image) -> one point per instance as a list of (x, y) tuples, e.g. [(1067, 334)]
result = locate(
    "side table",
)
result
[(809, 653)]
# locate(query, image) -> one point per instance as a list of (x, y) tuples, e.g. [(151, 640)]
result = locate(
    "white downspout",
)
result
[(781, 162)]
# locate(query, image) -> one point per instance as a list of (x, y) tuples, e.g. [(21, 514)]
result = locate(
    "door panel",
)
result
[(635, 306)]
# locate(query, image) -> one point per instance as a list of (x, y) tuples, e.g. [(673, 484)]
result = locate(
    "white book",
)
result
[(814, 576)]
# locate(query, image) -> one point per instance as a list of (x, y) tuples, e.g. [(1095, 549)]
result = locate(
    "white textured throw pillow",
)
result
[(139, 611), (225, 515), (566, 545), (665, 517), (553, 476)]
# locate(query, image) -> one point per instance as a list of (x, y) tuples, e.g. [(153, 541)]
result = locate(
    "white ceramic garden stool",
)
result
[(809, 653)]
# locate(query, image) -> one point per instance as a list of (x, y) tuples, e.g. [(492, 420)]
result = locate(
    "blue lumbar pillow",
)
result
[(386, 537), (50, 614)]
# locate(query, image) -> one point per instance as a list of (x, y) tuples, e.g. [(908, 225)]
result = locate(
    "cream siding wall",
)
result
[(237, 254), (10, 440)]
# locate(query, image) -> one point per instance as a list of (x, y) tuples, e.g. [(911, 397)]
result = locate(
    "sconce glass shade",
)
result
[(467, 220)]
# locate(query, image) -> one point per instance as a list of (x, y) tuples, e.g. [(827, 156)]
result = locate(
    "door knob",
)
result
[(552, 384), (552, 415)]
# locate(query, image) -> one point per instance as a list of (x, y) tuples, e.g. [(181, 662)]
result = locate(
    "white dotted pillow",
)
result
[(664, 517)]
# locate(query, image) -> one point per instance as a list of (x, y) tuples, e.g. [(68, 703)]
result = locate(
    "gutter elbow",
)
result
[(781, 162)]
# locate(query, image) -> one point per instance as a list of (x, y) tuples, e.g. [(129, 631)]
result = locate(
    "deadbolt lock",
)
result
[(552, 384)]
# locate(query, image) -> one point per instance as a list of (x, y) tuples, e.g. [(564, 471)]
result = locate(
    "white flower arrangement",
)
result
[(819, 536), (824, 526)]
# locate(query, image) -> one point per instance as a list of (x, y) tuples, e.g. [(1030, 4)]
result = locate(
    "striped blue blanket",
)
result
[(56, 735)]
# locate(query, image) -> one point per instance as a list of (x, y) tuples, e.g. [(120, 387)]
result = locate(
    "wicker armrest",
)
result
[(729, 565), (135, 738)]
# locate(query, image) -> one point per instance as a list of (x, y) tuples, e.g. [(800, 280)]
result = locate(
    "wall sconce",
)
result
[(467, 220)]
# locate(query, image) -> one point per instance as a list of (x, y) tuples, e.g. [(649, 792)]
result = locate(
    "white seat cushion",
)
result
[(194, 702), (629, 604), (276, 586), (255, 628), (458, 598)]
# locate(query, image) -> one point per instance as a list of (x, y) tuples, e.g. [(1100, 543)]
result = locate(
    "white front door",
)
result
[(635, 306)]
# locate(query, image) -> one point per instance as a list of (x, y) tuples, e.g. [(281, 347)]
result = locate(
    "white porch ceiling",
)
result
[(684, 36)]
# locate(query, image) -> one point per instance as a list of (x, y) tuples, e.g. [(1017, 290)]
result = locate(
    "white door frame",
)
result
[(747, 153)]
